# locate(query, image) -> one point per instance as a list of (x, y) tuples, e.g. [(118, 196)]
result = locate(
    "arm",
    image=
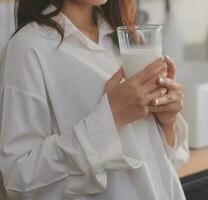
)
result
[(178, 151), (31, 155), (169, 133), (173, 128)]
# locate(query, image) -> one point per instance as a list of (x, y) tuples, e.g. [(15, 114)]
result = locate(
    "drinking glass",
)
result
[(139, 46)]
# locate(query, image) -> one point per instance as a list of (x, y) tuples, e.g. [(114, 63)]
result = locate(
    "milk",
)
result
[(134, 60)]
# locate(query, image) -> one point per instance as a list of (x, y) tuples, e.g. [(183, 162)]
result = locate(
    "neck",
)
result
[(80, 14)]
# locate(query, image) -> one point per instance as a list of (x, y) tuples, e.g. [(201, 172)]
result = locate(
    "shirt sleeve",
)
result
[(32, 153), (32, 156), (179, 154)]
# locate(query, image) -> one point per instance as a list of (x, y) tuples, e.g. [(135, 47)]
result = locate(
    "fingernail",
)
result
[(161, 80), (167, 57), (156, 102), (162, 58)]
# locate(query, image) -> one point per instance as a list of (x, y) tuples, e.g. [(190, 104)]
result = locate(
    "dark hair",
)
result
[(116, 12)]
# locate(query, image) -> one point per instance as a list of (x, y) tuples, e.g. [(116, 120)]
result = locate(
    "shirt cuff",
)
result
[(100, 140), (179, 154)]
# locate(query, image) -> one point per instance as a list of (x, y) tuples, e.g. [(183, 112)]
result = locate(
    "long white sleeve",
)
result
[(32, 156)]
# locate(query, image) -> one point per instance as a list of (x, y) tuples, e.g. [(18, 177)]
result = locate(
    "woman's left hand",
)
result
[(167, 107)]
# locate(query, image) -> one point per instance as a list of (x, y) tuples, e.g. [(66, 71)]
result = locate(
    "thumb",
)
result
[(118, 76), (115, 79)]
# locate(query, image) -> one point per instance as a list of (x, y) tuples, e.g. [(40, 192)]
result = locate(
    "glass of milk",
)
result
[(139, 46)]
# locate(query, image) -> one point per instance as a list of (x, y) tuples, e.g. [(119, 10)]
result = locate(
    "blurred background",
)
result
[(6, 20), (185, 39), (185, 25)]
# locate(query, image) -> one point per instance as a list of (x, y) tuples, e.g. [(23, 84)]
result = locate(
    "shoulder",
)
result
[(20, 64), (27, 46), (31, 36), (20, 47)]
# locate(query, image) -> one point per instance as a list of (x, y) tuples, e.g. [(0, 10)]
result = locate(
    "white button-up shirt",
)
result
[(58, 139)]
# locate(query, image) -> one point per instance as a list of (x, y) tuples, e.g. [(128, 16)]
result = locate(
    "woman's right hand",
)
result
[(130, 99)]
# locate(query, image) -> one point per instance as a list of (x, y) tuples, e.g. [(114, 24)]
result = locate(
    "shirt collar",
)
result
[(70, 29)]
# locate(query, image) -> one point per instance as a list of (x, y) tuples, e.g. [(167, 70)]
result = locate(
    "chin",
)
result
[(93, 2), (99, 2)]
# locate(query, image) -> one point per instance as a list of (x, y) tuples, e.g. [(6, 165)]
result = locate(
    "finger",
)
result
[(174, 107), (169, 98), (149, 98), (115, 79), (169, 83), (152, 85), (118, 75), (149, 72), (171, 67)]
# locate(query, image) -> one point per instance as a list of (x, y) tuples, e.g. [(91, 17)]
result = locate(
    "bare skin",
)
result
[(131, 99), (141, 94), (170, 104), (80, 13)]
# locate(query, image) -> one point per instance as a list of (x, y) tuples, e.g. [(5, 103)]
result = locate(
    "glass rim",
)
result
[(139, 27)]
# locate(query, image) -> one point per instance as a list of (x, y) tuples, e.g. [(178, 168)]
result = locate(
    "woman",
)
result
[(72, 127)]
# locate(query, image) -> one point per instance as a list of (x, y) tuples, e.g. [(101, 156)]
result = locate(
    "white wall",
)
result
[(191, 17), (6, 21)]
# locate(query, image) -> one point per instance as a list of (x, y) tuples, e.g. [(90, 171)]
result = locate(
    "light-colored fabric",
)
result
[(178, 154), (58, 138)]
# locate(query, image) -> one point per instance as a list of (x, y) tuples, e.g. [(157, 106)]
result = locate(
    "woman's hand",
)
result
[(167, 107), (131, 99)]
